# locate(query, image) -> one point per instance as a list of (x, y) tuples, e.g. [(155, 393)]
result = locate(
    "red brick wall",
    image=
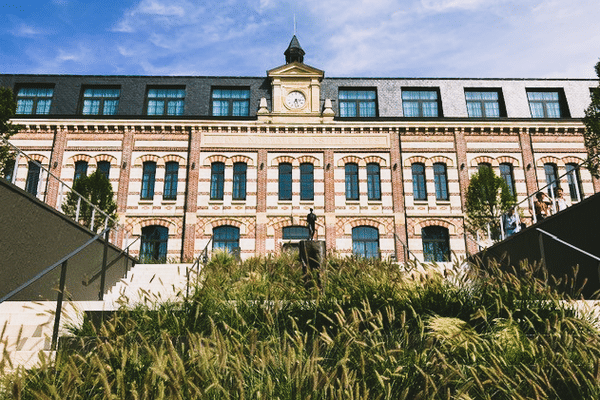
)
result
[(191, 194)]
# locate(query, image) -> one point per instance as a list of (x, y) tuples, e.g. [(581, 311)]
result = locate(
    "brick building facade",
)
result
[(384, 162)]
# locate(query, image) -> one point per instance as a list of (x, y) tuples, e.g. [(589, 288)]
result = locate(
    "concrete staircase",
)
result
[(26, 327), (148, 283)]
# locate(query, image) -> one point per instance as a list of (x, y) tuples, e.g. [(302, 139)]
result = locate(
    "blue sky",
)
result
[(354, 38)]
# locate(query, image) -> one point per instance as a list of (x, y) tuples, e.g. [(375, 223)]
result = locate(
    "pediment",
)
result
[(295, 69)]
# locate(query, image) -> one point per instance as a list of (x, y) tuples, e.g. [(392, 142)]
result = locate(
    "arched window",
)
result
[(154, 243), (418, 177), (552, 181), (365, 241), (33, 178), (171, 176), (373, 182), (148, 176), (307, 181), (574, 180), (239, 180), (483, 164), (104, 167), (226, 237), (506, 172), (217, 180), (436, 243), (285, 181), (351, 181), (440, 178), (80, 169)]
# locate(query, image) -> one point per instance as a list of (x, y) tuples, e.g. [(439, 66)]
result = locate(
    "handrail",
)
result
[(56, 264), (568, 244), (405, 246), (556, 180), (21, 153), (529, 198), (98, 273), (204, 256)]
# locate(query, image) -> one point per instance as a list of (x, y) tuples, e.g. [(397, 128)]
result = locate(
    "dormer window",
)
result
[(100, 101), (234, 102), (165, 101), (34, 100), (358, 103)]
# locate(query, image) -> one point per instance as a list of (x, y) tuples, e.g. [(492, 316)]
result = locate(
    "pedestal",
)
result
[(312, 255)]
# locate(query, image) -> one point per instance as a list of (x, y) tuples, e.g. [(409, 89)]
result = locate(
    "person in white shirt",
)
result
[(561, 202)]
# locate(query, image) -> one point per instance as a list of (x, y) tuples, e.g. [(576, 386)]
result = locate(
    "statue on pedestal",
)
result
[(311, 219)]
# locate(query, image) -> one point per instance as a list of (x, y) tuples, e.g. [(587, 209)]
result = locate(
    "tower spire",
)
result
[(294, 52)]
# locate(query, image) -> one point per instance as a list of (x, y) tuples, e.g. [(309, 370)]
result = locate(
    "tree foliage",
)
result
[(97, 189), (488, 197), (8, 106), (591, 134)]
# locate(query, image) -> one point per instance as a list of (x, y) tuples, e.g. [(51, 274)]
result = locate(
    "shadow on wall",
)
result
[(34, 236)]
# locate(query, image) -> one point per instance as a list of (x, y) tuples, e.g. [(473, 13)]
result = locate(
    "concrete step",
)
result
[(26, 328), (147, 283), (28, 359)]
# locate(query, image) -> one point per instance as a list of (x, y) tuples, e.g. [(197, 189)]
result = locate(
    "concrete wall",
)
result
[(34, 236)]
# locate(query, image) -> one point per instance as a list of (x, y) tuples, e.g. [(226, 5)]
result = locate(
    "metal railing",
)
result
[(202, 258), (98, 273), (559, 240), (63, 275), (531, 202), (111, 225), (406, 250), (41, 190)]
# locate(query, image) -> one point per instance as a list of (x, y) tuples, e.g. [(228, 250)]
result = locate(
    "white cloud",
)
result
[(450, 5), (25, 30), (158, 14), (420, 38)]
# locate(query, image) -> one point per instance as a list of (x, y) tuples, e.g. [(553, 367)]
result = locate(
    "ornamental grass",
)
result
[(365, 329)]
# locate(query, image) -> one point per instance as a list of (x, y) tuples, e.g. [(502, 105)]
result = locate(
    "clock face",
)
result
[(295, 99)]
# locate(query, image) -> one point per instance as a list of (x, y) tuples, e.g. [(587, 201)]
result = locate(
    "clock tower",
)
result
[(296, 89)]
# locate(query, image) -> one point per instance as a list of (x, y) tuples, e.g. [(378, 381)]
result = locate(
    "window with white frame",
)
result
[(100, 101), (421, 103), (165, 101), (484, 103), (358, 103), (547, 104), (233, 102)]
